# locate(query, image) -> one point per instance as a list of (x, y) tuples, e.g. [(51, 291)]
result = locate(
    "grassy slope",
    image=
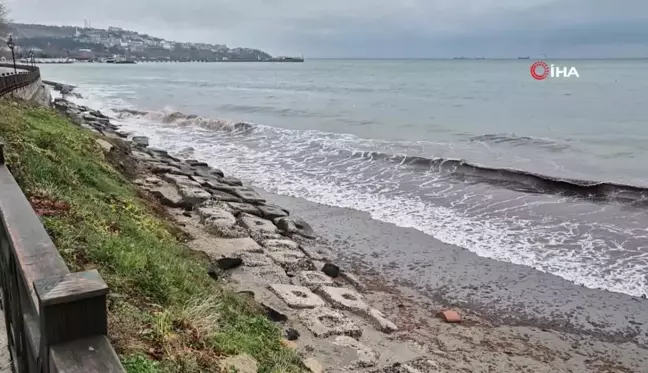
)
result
[(166, 314)]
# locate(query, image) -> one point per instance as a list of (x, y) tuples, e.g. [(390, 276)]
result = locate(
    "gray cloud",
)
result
[(373, 28)]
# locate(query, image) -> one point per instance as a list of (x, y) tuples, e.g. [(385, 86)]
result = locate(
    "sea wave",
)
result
[(181, 119), (512, 139), (519, 179), (464, 170)]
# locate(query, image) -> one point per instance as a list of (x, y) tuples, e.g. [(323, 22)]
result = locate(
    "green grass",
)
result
[(166, 314)]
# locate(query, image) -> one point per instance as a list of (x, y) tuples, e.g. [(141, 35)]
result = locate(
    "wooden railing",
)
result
[(56, 321), (24, 76)]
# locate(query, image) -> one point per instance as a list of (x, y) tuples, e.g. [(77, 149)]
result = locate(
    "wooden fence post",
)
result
[(72, 307)]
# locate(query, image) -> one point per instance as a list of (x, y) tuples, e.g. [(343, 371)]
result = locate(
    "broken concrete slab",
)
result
[(218, 195), (257, 225), (192, 196), (248, 195), (281, 245), (367, 357), (313, 365), (267, 274), (229, 180), (314, 279), (141, 156), (421, 365), (161, 168), (353, 280), (215, 213), (244, 208), (316, 252), (290, 260), (325, 322), (180, 180), (220, 222), (254, 259), (216, 248), (105, 145), (272, 212), (342, 298), (153, 180), (381, 322), (215, 184), (297, 296), (295, 225), (167, 195)]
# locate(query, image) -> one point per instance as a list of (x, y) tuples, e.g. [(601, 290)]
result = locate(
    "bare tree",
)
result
[(3, 18)]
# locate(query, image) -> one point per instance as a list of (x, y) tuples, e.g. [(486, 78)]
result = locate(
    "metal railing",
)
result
[(12, 81), (56, 321)]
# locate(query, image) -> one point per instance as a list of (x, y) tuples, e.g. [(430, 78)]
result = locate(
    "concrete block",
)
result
[(421, 365), (257, 225), (367, 357), (269, 274), (381, 322), (254, 259), (248, 195), (280, 245), (297, 296), (314, 279), (342, 298), (286, 258), (325, 322)]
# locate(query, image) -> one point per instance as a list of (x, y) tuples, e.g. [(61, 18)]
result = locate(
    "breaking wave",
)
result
[(180, 119), (518, 180)]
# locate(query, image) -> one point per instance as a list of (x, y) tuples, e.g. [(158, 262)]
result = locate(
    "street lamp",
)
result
[(12, 45), (31, 57)]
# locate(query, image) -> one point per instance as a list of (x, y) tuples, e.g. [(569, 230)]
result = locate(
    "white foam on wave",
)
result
[(585, 259)]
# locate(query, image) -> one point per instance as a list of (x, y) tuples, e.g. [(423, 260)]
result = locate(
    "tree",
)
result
[(4, 23)]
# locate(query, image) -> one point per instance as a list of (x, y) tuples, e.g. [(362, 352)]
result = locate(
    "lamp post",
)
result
[(12, 45), (31, 57)]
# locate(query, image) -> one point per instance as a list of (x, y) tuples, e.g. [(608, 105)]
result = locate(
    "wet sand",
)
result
[(502, 293)]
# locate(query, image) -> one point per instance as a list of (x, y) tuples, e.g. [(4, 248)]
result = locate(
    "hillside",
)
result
[(88, 43)]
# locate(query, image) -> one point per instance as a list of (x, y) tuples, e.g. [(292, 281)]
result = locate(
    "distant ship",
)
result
[(523, 58)]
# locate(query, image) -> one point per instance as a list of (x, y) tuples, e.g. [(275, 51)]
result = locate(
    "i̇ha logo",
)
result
[(541, 71)]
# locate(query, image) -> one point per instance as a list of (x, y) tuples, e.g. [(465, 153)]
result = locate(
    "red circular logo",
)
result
[(534, 70)]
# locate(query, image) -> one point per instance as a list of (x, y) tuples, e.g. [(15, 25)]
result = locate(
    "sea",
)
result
[(548, 174)]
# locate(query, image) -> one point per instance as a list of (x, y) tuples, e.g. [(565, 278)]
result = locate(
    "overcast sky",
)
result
[(372, 28)]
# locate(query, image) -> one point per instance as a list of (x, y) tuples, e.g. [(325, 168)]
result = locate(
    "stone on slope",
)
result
[(167, 195), (220, 222), (272, 212), (325, 322), (295, 225), (248, 195), (381, 322), (281, 245), (344, 299), (141, 141), (257, 225), (192, 196), (297, 296), (244, 208), (218, 195)]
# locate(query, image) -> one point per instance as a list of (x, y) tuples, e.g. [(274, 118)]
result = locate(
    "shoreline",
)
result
[(497, 283)]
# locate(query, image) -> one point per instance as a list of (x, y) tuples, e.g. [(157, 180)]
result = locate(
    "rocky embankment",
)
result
[(265, 253)]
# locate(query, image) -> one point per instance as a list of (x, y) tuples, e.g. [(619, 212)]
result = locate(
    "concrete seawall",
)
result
[(36, 92)]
